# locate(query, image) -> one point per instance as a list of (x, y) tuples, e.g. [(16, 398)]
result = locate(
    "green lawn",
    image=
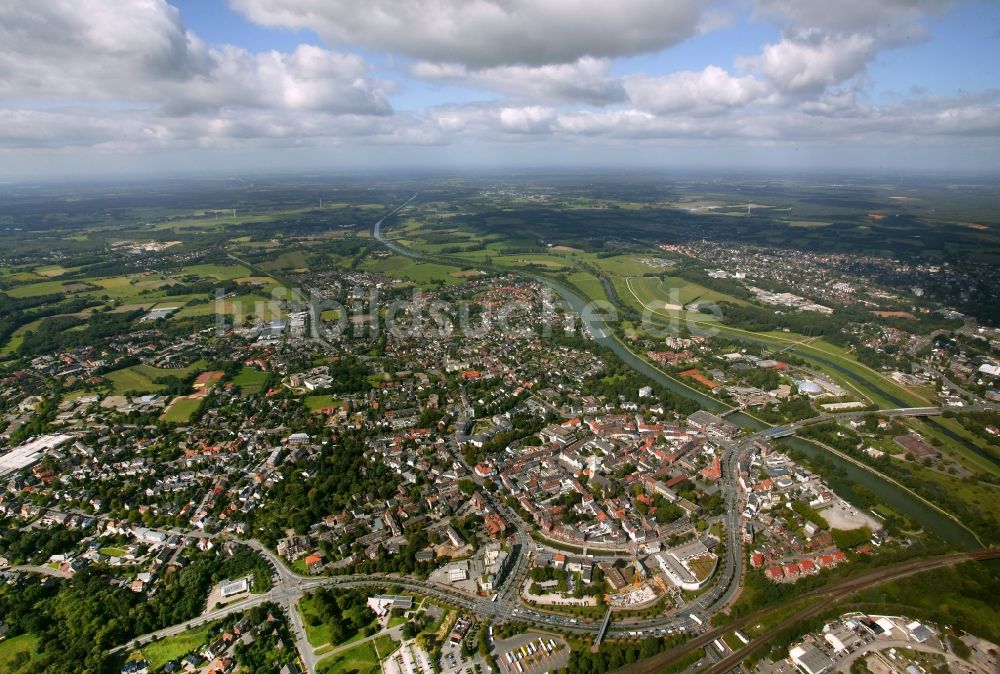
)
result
[(358, 660), (318, 635), (181, 409), (16, 652), (236, 309), (290, 260), (161, 652), (112, 552), (50, 270), (314, 403), (217, 271), (250, 380), (385, 645), (588, 284)]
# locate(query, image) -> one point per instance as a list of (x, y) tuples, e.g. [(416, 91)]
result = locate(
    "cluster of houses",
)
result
[(785, 544)]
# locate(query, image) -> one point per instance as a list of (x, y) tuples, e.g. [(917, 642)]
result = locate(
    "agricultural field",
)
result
[(423, 274), (235, 309), (669, 292)]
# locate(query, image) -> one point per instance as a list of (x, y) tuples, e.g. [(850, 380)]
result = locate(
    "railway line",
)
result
[(657, 663)]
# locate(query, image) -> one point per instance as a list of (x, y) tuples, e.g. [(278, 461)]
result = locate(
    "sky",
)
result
[(96, 88)]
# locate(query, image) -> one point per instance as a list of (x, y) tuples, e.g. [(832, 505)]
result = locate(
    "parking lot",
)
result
[(531, 653)]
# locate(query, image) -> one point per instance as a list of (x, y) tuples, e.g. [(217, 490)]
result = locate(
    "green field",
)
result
[(50, 270), (250, 380), (316, 634), (588, 284), (35, 289), (161, 652), (181, 409), (235, 309), (112, 552), (656, 291), (314, 403), (963, 454), (424, 274), (17, 652), (139, 378), (290, 260), (361, 659)]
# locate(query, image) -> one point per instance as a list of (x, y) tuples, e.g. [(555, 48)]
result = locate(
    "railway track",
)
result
[(657, 663)]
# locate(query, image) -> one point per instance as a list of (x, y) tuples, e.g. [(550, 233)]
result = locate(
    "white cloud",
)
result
[(532, 119), (583, 81), (140, 52), (486, 33), (810, 64), (899, 18), (708, 91), (310, 78), (825, 43), (128, 77)]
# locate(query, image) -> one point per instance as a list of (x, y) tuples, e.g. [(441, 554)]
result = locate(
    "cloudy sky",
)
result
[(130, 87)]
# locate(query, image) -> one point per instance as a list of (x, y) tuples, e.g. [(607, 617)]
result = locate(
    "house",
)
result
[(313, 563)]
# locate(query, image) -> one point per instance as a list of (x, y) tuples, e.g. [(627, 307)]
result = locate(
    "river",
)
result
[(898, 499)]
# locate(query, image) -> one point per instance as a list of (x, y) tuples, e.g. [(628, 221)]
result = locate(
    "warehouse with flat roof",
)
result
[(30, 452)]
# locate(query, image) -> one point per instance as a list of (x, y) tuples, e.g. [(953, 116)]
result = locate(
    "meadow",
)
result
[(181, 409), (16, 653)]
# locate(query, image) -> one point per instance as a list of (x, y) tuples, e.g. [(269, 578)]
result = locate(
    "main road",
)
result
[(289, 586)]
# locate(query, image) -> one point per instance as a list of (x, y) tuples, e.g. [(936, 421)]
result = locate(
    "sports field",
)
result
[(250, 380), (181, 409), (141, 378)]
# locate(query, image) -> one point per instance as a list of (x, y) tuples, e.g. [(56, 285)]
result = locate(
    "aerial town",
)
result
[(321, 455)]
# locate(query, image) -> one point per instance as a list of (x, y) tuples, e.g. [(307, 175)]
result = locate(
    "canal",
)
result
[(896, 498)]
